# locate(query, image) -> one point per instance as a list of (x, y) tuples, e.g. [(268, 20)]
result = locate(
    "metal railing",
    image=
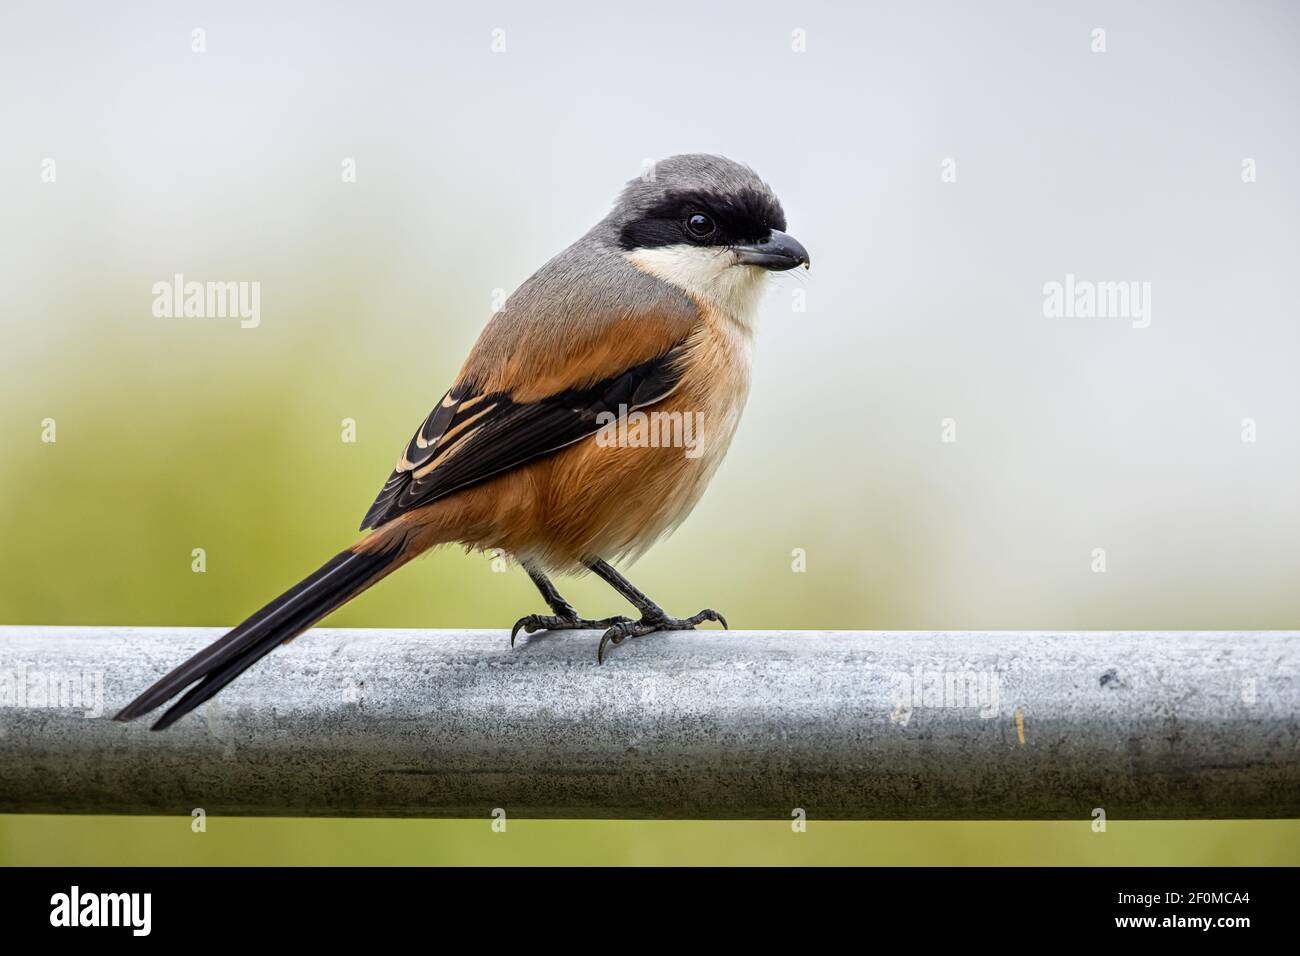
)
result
[(711, 724)]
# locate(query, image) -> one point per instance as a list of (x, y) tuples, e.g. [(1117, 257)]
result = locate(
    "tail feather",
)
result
[(335, 583)]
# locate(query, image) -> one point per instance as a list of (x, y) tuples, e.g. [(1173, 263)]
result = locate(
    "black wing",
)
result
[(472, 436)]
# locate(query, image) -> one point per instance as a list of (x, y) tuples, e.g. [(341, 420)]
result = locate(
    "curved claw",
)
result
[(615, 635), (708, 614), (529, 623), (519, 625)]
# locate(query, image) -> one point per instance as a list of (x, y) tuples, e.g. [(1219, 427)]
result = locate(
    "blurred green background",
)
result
[(475, 166), (228, 842)]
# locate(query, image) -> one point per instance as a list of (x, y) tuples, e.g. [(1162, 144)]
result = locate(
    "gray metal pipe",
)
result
[(711, 724)]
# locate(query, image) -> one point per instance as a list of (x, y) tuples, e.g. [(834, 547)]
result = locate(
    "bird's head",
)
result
[(707, 225)]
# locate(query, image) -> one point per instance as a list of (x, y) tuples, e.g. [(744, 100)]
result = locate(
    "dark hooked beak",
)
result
[(777, 252)]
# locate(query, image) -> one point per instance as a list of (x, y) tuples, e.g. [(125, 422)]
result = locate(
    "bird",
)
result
[(540, 448)]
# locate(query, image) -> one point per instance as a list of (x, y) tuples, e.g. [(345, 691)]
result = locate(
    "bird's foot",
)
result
[(562, 622), (650, 623)]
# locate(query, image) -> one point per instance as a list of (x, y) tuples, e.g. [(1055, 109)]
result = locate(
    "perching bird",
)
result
[(650, 312)]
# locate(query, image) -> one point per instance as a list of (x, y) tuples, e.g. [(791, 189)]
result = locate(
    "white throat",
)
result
[(707, 273)]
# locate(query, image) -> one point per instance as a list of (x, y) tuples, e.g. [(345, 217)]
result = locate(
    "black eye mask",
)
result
[(744, 216)]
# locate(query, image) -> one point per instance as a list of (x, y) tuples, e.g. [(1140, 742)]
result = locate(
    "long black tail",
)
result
[(339, 580)]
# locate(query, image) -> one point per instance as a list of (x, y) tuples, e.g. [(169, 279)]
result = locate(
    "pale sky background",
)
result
[(924, 301)]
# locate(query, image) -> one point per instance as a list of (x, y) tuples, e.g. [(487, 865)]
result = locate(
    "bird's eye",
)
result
[(699, 225)]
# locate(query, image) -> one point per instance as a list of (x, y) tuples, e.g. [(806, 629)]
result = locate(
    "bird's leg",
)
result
[(563, 616), (653, 617)]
